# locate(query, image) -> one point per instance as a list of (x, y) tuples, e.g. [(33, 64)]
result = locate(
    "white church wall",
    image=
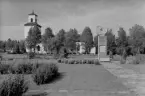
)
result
[(33, 17), (26, 30)]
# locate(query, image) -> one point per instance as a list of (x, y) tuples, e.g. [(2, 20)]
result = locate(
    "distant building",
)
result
[(80, 47), (93, 50)]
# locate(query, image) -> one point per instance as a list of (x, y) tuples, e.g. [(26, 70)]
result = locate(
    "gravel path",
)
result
[(132, 79)]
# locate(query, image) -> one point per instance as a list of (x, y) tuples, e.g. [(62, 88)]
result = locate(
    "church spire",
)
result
[(33, 13)]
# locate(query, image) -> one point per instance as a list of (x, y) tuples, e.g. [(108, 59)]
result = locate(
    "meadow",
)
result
[(83, 75)]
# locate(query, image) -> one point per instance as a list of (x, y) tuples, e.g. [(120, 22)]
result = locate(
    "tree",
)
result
[(57, 42), (137, 38), (61, 36), (3, 45), (46, 39), (96, 43), (16, 49), (87, 37), (22, 46), (71, 38), (122, 38), (121, 41), (9, 44), (33, 38), (110, 41)]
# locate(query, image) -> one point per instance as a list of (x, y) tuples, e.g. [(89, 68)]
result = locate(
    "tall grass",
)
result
[(45, 73), (14, 85)]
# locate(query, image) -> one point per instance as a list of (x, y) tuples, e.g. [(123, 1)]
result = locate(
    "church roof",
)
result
[(32, 13), (32, 24)]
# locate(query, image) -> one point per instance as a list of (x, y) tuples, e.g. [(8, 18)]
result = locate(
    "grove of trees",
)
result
[(65, 41)]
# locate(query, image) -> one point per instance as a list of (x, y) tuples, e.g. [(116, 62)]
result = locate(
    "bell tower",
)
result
[(32, 18), (32, 21)]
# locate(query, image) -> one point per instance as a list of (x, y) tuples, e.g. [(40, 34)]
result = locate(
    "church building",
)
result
[(33, 21)]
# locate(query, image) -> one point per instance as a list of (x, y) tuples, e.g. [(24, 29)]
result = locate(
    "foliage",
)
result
[(121, 41), (87, 37), (110, 41), (116, 58), (45, 73), (71, 38), (137, 38), (31, 55), (46, 39), (3, 45), (16, 49), (64, 52), (4, 68), (33, 38), (77, 61), (122, 61), (22, 46), (137, 59), (22, 68), (13, 86)]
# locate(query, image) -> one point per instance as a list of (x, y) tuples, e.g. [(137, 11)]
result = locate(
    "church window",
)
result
[(31, 20)]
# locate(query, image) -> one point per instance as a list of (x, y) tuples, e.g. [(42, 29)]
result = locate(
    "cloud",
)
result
[(68, 14)]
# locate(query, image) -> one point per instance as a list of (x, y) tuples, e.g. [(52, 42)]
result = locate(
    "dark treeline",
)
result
[(131, 44), (13, 46)]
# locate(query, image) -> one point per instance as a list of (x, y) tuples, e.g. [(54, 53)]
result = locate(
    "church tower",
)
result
[(32, 21)]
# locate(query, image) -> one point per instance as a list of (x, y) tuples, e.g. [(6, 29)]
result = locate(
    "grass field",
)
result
[(91, 80)]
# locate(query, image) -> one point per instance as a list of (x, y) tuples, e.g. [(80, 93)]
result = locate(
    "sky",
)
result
[(66, 14)]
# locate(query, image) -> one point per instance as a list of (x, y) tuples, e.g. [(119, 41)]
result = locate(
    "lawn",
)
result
[(131, 65), (76, 79)]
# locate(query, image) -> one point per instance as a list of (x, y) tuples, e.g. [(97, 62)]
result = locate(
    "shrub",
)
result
[(13, 86), (64, 53), (84, 61), (4, 68), (134, 60), (122, 61), (22, 68), (77, 62), (116, 58), (45, 73), (96, 62), (66, 61), (59, 61), (80, 61), (31, 55), (62, 60)]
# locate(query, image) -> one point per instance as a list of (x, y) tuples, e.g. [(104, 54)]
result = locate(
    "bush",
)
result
[(96, 62), (59, 61), (13, 86), (45, 73), (135, 59), (66, 61), (85, 61), (116, 58), (4, 68), (122, 60), (31, 55), (22, 68), (64, 53)]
